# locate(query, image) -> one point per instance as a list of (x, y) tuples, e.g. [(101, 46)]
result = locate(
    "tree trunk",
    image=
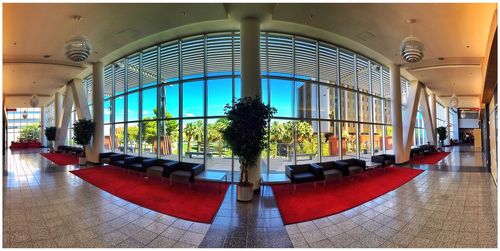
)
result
[(189, 144)]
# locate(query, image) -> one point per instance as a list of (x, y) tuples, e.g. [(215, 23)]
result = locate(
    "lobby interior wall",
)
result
[(493, 134)]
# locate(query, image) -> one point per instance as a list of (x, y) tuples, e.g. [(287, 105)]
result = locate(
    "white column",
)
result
[(433, 105), (98, 110), (43, 140), (429, 126), (62, 128), (57, 108), (250, 59), (396, 113), (80, 99), (250, 75), (447, 140)]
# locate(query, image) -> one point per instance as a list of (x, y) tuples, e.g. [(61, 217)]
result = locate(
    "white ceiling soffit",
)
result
[(118, 29), (463, 101), (31, 31)]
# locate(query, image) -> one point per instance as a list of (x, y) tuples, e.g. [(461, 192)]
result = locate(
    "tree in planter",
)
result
[(246, 131), (83, 130), (442, 133), (50, 134)]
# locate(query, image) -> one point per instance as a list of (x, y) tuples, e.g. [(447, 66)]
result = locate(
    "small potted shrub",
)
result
[(245, 135), (442, 133), (50, 134), (83, 131)]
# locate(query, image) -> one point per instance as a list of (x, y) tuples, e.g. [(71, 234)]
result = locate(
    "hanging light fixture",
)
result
[(34, 101), (412, 49), (25, 114), (454, 99), (78, 48)]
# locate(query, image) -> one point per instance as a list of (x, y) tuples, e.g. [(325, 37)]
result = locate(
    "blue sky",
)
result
[(219, 94)]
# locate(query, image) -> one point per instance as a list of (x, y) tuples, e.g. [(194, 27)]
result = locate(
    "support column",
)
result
[(447, 140), (57, 109), (396, 113), (250, 59), (81, 108), (43, 140), (429, 126), (250, 75), (433, 105), (98, 110), (80, 99), (62, 127)]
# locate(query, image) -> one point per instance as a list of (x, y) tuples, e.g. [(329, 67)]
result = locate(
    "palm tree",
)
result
[(215, 133), (189, 132), (198, 134)]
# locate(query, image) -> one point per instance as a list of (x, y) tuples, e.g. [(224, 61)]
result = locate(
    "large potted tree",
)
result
[(442, 134), (245, 135), (50, 134), (83, 131)]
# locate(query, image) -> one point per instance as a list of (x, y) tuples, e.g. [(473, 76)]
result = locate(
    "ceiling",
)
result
[(457, 32)]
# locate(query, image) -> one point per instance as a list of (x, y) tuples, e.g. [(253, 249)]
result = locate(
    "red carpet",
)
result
[(430, 159), (61, 159), (200, 203), (308, 203)]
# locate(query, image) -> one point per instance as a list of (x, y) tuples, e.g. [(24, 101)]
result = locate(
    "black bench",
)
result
[(191, 154)]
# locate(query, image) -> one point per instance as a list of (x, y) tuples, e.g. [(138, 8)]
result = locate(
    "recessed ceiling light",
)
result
[(46, 56)]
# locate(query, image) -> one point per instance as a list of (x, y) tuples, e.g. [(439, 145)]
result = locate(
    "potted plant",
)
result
[(245, 134), (50, 134), (442, 135), (83, 131)]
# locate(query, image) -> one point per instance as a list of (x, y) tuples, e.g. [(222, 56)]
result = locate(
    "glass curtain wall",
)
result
[(419, 137), (168, 101), (23, 124), (453, 118), (440, 115)]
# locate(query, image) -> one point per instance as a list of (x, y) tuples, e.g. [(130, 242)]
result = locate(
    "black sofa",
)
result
[(140, 164), (69, 150), (118, 160), (352, 166), (384, 159), (106, 157), (190, 169), (331, 170), (426, 149), (304, 173)]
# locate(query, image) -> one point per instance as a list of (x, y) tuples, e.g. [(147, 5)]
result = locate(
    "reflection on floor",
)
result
[(460, 159), (46, 206)]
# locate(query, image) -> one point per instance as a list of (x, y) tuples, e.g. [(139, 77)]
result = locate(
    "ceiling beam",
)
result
[(56, 63), (444, 66)]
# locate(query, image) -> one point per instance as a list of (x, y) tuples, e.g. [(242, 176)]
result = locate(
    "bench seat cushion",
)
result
[(332, 174), (355, 170), (304, 177)]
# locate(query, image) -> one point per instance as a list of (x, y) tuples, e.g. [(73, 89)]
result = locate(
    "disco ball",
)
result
[(454, 101), (34, 101), (412, 49), (78, 49)]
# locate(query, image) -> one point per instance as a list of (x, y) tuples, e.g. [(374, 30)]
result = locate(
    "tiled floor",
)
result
[(46, 206)]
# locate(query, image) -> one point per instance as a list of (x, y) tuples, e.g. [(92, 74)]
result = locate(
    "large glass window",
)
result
[(23, 124), (168, 101)]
